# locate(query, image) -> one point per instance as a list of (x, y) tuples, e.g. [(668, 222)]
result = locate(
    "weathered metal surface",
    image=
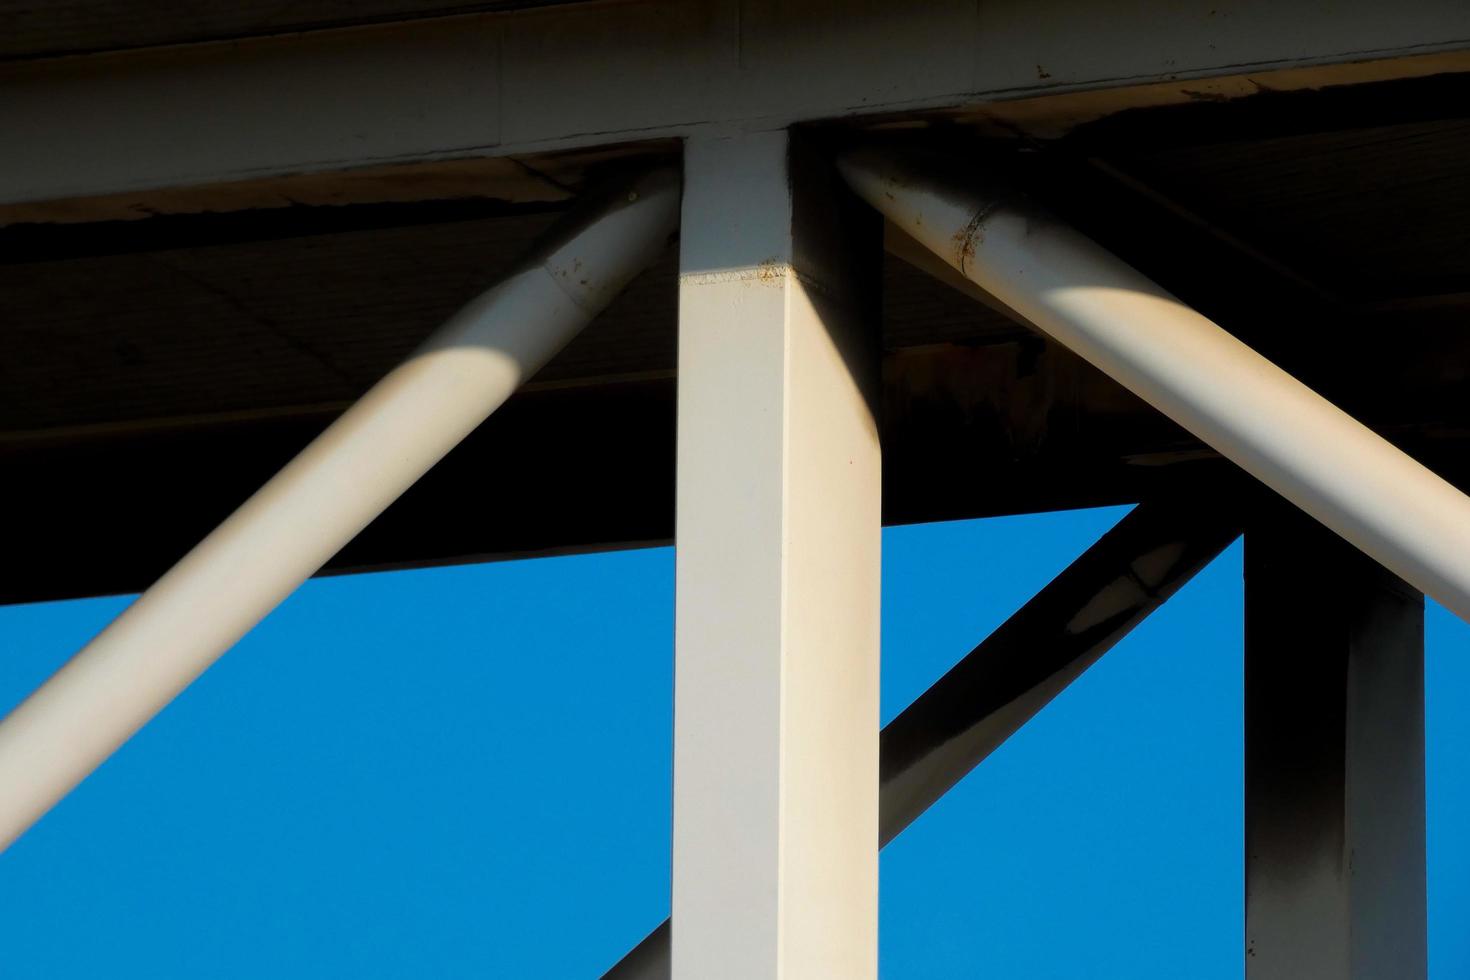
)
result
[(1189, 368), (480, 184), (501, 85), (170, 306)]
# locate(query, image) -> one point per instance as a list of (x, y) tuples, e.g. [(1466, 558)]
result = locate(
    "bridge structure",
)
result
[(327, 287)]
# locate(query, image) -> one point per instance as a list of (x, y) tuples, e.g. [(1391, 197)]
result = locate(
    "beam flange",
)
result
[(528, 83)]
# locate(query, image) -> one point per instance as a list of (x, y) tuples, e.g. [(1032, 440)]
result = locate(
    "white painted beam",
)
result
[(596, 74), (1192, 370), (319, 501), (777, 544), (1334, 772), (206, 113)]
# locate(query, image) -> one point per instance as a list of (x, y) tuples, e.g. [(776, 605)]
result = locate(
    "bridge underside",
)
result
[(164, 360), (218, 229)]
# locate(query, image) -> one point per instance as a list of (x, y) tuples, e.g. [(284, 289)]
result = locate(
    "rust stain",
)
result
[(770, 271), (966, 239)]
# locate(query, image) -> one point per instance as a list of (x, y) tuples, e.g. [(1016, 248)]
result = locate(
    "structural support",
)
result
[(777, 535), (328, 493), (1018, 669), (1252, 412), (1334, 761), (1045, 646)]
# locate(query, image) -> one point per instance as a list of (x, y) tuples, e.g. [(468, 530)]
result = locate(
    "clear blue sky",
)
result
[(465, 773)]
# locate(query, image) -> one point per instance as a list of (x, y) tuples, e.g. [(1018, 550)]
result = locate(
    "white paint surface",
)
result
[(776, 676), (1270, 424), (319, 502)]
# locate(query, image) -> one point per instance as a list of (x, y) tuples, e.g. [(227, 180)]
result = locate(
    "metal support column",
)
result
[(778, 535), (1030, 659), (1334, 757)]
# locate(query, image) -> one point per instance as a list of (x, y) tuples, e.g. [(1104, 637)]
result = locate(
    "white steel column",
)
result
[(776, 676), (1334, 761), (1248, 409), (322, 498)]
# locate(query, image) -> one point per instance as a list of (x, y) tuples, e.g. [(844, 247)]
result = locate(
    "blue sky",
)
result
[(465, 772)]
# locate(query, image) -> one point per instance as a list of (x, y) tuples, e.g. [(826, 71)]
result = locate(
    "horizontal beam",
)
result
[(980, 416), (532, 82), (50, 30), (1030, 659)]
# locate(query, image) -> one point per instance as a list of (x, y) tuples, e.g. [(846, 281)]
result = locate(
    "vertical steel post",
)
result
[(778, 536), (1030, 658), (1334, 742)]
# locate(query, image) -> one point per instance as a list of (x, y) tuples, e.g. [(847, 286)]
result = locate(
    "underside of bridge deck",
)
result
[(781, 308), (167, 350)]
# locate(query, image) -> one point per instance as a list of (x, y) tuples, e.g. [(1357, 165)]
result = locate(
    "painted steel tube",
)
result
[(324, 497), (1280, 431), (1044, 646), (1029, 659)]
